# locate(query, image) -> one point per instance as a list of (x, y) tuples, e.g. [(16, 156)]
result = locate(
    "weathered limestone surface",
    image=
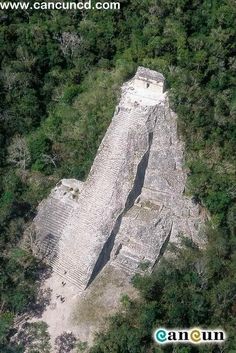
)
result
[(161, 212), (132, 202)]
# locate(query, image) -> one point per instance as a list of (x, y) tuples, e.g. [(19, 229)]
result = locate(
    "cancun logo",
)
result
[(194, 335)]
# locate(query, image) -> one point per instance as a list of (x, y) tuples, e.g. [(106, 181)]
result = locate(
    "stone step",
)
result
[(49, 244), (138, 247), (57, 215), (54, 222), (127, 261), (70, 265), (61, 217), (58, 204), (125, 252), (54, 218), (73, 274), (72, 280), (51, 222), (50, 230), (123, 267), (63, 211)]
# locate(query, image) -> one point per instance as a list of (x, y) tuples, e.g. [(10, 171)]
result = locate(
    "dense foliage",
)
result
[(60, 73)]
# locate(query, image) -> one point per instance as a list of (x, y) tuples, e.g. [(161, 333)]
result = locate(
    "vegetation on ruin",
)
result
[(59, 80)]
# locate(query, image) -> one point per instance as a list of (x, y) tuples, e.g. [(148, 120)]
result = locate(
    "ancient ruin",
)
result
[(132, 202)]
